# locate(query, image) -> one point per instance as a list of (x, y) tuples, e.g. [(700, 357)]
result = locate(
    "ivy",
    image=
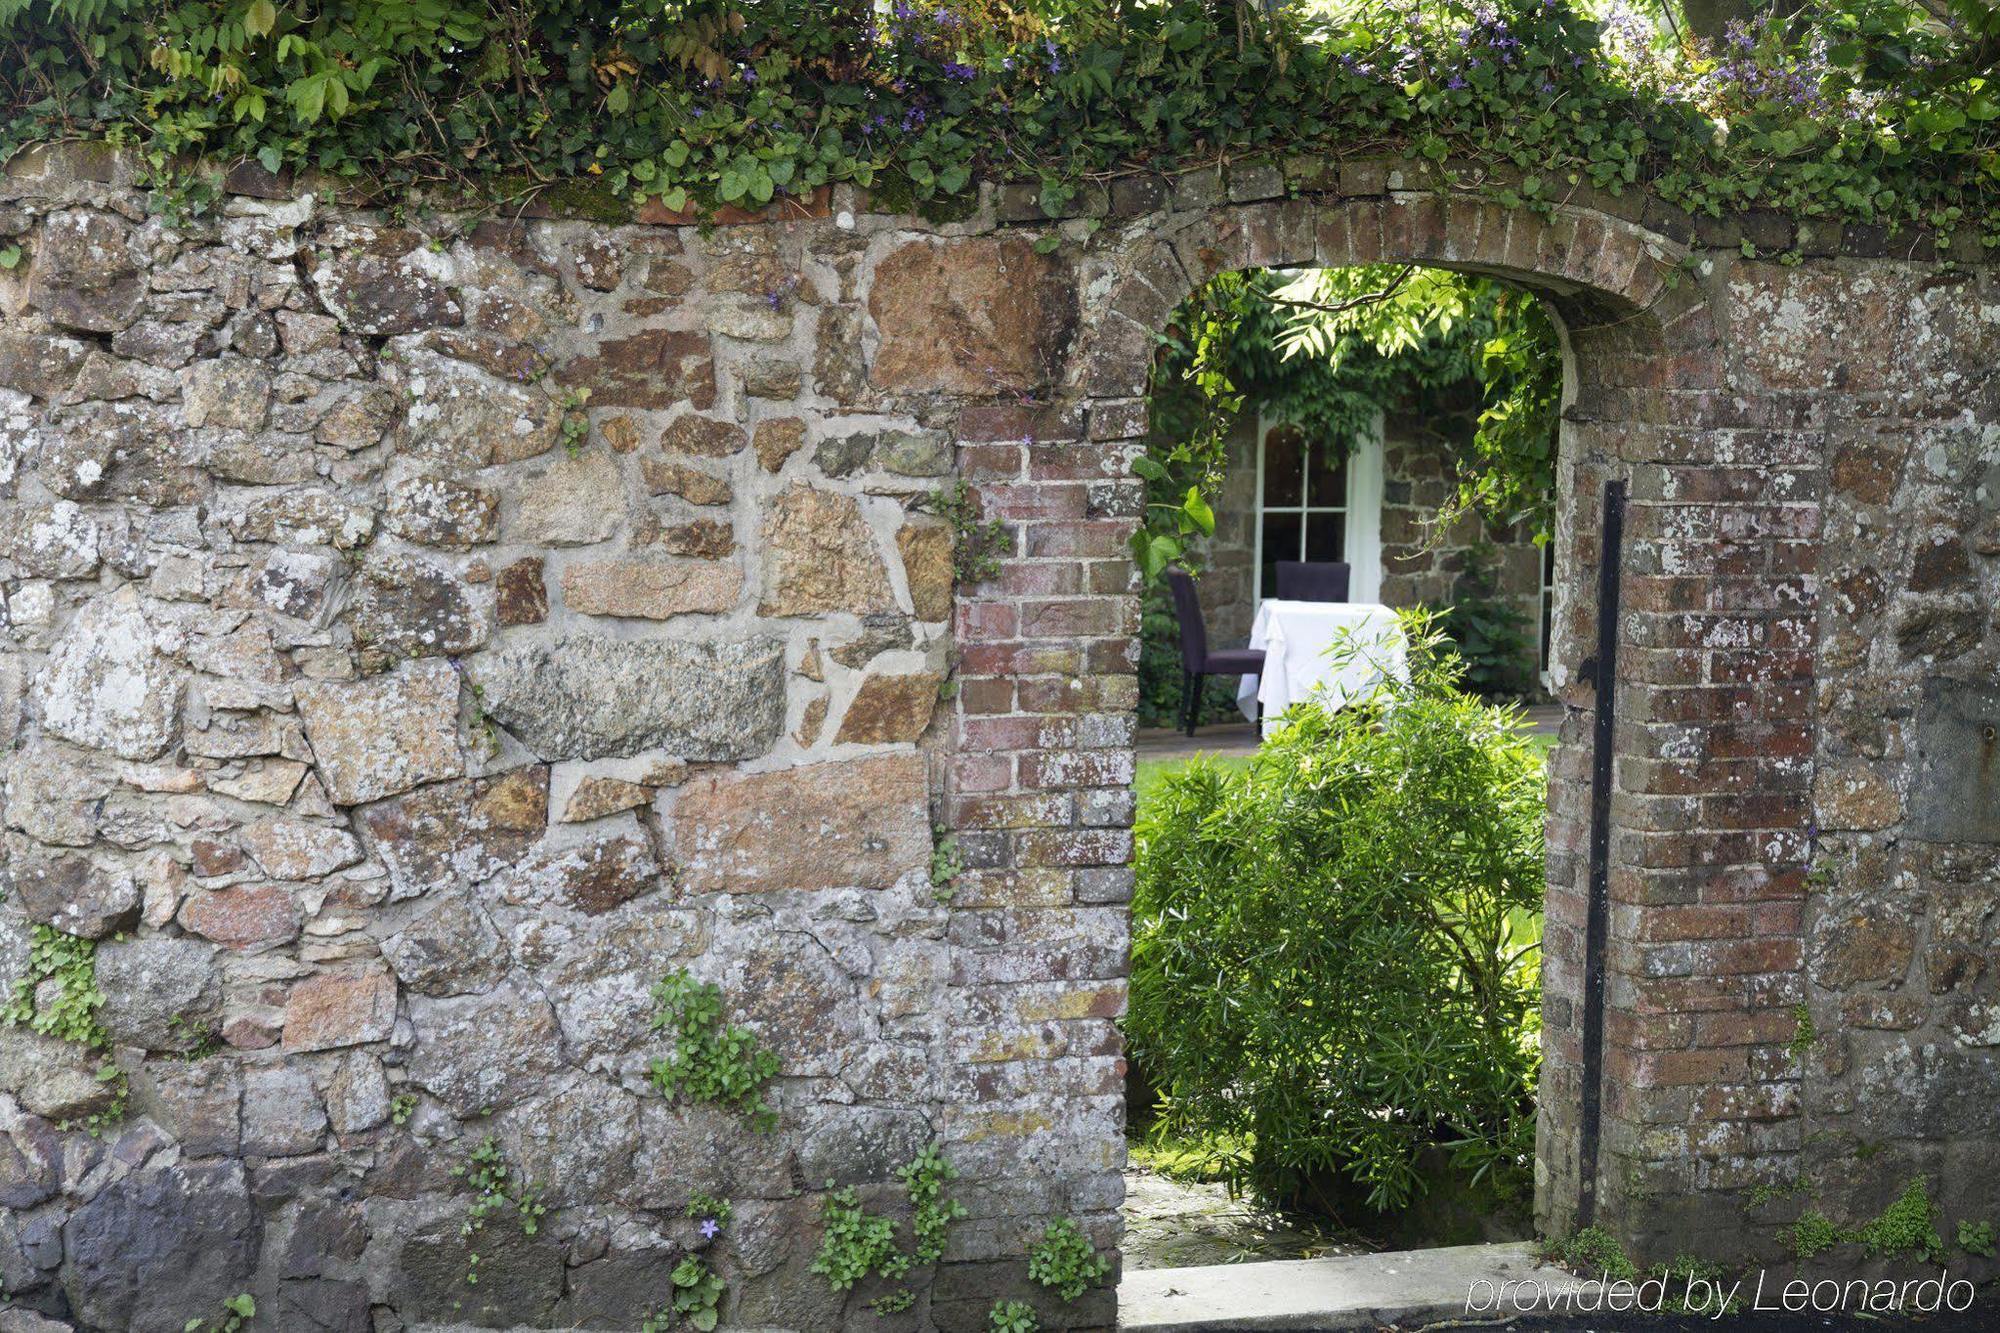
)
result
[(713, 1060), (1863, 110)]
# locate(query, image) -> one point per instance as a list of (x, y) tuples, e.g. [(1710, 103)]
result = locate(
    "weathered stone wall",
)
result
[(394, 715)]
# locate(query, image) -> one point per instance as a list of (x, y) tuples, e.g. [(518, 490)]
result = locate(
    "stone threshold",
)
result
[(1399, 1289)]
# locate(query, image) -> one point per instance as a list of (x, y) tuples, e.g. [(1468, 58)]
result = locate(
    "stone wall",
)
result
[(394, 713)]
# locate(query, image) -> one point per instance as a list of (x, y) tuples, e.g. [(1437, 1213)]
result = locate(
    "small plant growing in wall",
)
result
[(976, 546), (697, 1294), (1065, 1259), (1976, 1238), (924, 1179), (946, 864), (57, 996), (1811, 1234), (495, 1188), (1012, 1317), (713, 1060), (1594, 1252), (237, 1312), (714, 1214), (857, 1243), (1802, 1033), (575, 423), (1906, 1227)]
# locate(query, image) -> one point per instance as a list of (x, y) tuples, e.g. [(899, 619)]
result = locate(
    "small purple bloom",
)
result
[(710, 1228), (954, 70), (1455, 81)]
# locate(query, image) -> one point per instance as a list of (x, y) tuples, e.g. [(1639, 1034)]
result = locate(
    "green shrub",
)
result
[(1336, 953)]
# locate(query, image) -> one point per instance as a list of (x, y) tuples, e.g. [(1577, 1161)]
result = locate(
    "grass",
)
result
[(1153, 771)]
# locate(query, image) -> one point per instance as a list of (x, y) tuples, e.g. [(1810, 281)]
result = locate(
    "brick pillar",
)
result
[(1038, 788)]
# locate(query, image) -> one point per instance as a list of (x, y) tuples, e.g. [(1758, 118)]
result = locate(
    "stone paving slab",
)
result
[(1405, 1288)]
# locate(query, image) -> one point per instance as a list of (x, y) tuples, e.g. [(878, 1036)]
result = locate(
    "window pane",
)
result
[(1284, 465), (1281, 542), (1326, 482), (1326, 537)]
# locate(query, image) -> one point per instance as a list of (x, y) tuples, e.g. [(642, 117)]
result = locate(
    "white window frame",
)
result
[(1361, 543)]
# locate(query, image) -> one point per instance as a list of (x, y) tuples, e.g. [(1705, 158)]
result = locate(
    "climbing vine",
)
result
[(1860, 109)]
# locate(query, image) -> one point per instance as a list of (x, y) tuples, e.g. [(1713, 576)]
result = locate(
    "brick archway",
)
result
[(1039, 787)]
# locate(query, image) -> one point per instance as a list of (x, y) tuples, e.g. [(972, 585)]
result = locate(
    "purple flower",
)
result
[(954, 70), (710, 1228), (1455, 81)]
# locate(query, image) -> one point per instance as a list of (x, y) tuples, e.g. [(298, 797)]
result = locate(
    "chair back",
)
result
[(1313, 580), (1187, 610)]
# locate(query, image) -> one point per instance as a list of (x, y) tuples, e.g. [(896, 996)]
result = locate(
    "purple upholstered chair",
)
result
[(1313, 580), (1197, 662)]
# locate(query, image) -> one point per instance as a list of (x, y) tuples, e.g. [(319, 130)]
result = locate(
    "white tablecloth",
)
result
[(1295, 637)]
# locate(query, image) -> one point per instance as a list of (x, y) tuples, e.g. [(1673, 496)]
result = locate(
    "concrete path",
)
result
[(1185, 1224), (1404, 1289)]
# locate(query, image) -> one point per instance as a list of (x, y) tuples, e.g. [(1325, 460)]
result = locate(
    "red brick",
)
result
[(986, 694), (1068, 618)]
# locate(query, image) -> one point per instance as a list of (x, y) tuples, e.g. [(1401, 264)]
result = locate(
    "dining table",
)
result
[(1297, 637)]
